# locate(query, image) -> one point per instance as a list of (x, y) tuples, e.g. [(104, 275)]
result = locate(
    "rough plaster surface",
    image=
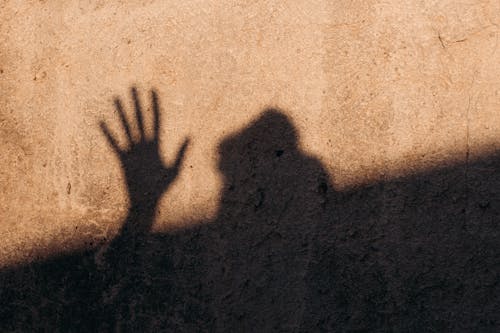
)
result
[(396, 102)]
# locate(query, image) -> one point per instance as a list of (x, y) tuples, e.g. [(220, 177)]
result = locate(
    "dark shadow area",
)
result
[(286, 252)]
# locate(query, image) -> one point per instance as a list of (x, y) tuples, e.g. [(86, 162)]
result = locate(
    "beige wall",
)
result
[(376, 89)]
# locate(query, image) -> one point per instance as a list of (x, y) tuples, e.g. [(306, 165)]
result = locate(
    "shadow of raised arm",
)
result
[(147, 176)]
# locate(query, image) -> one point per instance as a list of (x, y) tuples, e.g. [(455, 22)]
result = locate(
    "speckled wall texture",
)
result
[(382, 216)]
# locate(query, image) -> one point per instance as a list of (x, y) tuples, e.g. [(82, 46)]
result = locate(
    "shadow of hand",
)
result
[(147, 176)]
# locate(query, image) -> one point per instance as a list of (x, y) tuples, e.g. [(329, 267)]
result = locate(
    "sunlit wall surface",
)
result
[(377, 91)]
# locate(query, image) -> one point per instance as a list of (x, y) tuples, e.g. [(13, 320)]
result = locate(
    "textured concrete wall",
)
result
[(377, 90)]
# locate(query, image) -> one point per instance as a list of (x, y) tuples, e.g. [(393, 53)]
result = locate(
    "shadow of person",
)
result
[(231, 271), (273, 200), (285, 251)]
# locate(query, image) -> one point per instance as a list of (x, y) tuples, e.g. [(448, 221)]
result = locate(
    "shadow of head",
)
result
[(259, 148)]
